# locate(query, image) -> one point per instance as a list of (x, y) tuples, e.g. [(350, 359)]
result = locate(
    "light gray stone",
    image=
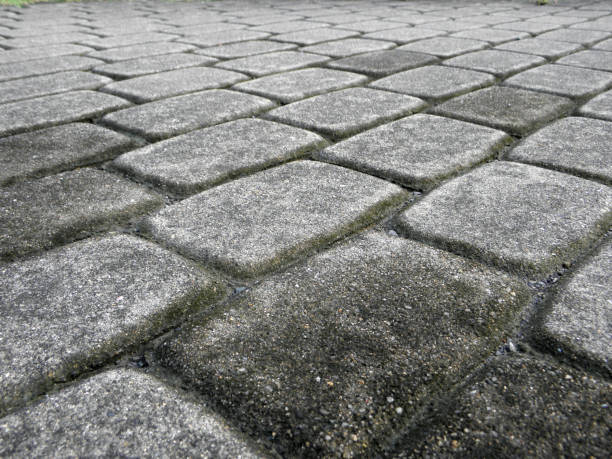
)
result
[(373, 25), (495, 37), (533, 28), (224, 36), (345, 112), (598, 60), (73, 308), (598, 107), (153, 64), (31, 114), (540, 47), (287, 26), (500, 63), (177, 115), (604, 24), (125, 53), (43, 213), (583, 37), (445, 46), (312, 36), (46, 40), (258, 223), (193, 162), (453, 25), (519, 217), (265, 64), (246, 48), (604, 45), (514, 110), (404, 35), (348, 47), (579, 146), (38, 52), (383, 63), (418, 151), (361, 335), (56, 149), (126, 40), (46, 66)]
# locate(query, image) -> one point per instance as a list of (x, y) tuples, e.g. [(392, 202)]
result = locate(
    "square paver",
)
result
[(126, 40), (563, 80), (255, 224), (40, 52), (346, 112), (445, 46), (46, 66), (453, 26), (287, 26), (495, 37), (435, 82), (371, 26), (125, 53), (264, 64), (539, 47), (583, 37), (404, 35), (597, 60), (533, 28), (514, 110), (291, 86), (348, 47), (576, 145), (152, 64), (201, 159), (489, 213), (169, 117), (499, 63), (598, 107), (246, 48), (223, 37), (312, 36), (47, 39), (418, 151), (383, 63)]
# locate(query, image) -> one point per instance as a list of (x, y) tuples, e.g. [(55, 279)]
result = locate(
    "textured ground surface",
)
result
[(306, 229)]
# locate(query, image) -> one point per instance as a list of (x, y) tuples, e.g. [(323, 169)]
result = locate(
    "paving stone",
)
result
[(494, 37), (256, 224), (31, 114), (404, 35), (453, 25), (45, 66), (125, 53), (418, 151), (28, 54), (517, 407), (291, 86), (200, 29), (559, 20), (120, 413), (56, 149), (383, 63), (514, 110), (224, 36), (313, 36), (598, 60), (541, 47), (193, 162), (598, 107), (563, 80), (131, 289), (246, 48), (371, 26), (176, 82), (435, 82), (47, 39), (499, 63), (445, 46), (529, 27), (489, 213), (416, 18), (30, 31), (264, 64), (348, 47), (346, 112), (42, 213), (604, 24), (605, 45), (126, 40), (578, 146), (359, 332), (583, 37), (177, 115), (287, 26), (153, 64), (345, 18)]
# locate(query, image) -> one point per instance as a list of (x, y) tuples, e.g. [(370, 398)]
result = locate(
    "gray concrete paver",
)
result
[(598, 107), (46, 66), (348, 47), (383, 63), (153, 64), (313, 36), (39, 52), (541, 47), (583, 37), (404, 35), (246, 48), (495, 37), (265, 64), (500, 63), (123, 53), (445, 46), (597, 60)]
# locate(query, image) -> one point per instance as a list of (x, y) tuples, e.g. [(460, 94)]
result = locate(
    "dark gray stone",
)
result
[(43, 213), (56, 149), (348, 47), (599, 107), (130, 289), (46, 66), (383, 63), (445, 46), (583, 37), (404, 35), (126, 40), (495, 37), (264, 64), (246, 48), (28, 54), (514, 110), (541, 47), (28, 115), (598, 60), (193, 162), (291, 86), (418, 151), (346, 112), (177, 115), (224, 36), (579, 146), (361, 335), (499, 63), (519, 217), (153, 64), (312, 36), (258, 223), (125, 53)]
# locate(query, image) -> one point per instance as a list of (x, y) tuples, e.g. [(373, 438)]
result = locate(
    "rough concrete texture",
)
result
[(488, 213), (404, 35), (444, 46), (124, 53), (299, 206), (131, 289), (361, 335), (541, 47), (46, 66), (120, 413), (265, 64), (348, 47), (600, 60), (38, 52), (598, 107), (382, 63), (500, 63), (152, 64), (244, 49)]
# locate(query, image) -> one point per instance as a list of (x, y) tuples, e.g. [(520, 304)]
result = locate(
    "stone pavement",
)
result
[(286, 228)]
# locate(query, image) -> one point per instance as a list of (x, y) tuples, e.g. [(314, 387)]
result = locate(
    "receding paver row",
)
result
[(75, 307), (330, 357)]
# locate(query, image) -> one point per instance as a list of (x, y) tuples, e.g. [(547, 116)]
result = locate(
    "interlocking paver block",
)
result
[(383, 63), (604, 45), (584, 37), (435, 82), (358, 333), (120, 413), (31, 114), (201, 159), (264, 64), (46, 39), (598, 60), (177, 115), (404, 35), (499, 63), (348, 47), (287, 26), (257, 223), (312, 36), (126, 40), (563, 80), (291, 86), (445, 46), (599, 107), (518, 407), (173, 83), (494, 37), (125, 53), (541, 47), (418, 151), (529, 27), (578, 146), (246, 48), (42, 213), (371, 26), (153, 64), (348, 111), (224, 36), (130, 289), (604, 24), (28, 54), (515, 110), (517, 216), (45, 66), (56, 149)]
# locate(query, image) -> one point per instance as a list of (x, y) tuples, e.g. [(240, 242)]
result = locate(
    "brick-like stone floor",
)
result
[(286, 228)]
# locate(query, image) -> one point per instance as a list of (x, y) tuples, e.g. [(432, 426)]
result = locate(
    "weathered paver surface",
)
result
[(315, 228)]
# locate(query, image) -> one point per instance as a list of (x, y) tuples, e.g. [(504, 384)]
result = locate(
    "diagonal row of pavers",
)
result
[(226, 231)]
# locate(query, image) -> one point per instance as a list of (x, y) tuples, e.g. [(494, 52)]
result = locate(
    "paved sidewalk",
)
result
[(306, 229)]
